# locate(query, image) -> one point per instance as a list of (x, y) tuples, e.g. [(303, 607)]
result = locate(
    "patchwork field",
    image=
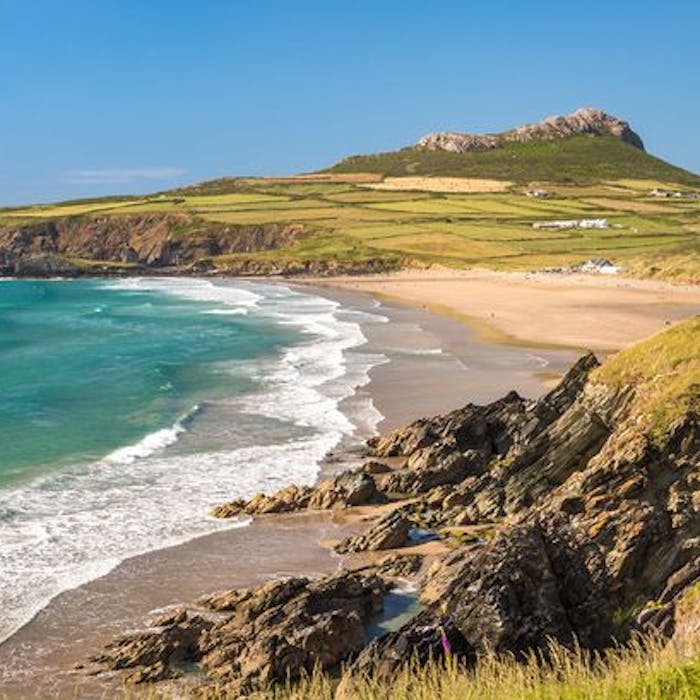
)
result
[(412, 222)]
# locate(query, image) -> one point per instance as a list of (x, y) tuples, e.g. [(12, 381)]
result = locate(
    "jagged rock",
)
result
[(583, 517), (566, 446), (351, 488), (418, 641), (173, 617), (400, 565), (248, 603), (587, 121), (508, 599), (686, 610), (373, 467), (347, 489), (288, 499), (473, 432), (158, 671), (269, 633), (43, 265), (153, 651), (390, 531), (322, 623), (513, 594)]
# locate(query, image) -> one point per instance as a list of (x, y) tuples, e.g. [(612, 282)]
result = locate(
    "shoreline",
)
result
[(415, 382)]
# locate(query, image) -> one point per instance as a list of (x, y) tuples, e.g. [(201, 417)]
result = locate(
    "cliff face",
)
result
[(153, 241), (165, 243), (587, 121), (574, 518)]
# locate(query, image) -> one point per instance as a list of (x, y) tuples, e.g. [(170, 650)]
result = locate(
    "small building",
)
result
[(538, 194), (573, 223)]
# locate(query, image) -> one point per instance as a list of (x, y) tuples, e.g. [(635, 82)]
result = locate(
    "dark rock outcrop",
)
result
[(420, 641), (352, 488), (256, 636), (153, 654), (587, 121), (390, 531)]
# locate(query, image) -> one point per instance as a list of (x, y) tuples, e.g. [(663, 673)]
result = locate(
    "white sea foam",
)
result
[(191, 288), (153, 442), (537, 360), (416, 351), (74, 525), (226, 312)]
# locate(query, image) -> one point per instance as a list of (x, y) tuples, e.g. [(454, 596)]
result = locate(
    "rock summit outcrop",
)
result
[(582, 122)]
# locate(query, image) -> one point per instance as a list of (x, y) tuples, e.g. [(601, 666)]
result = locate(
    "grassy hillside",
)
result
[(361, 216), (579, 159), (665, 369)]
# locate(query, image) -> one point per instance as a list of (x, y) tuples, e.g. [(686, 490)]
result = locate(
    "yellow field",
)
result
[(443, 184)]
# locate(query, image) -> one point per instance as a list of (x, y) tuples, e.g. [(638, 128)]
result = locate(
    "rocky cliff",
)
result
[(574, 518), (76, 245), (583, 122), (163, 243)]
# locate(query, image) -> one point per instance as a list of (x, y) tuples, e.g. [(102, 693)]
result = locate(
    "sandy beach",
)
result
[(602, 313)]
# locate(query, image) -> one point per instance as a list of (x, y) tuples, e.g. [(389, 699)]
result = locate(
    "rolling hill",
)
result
[(452, 199)]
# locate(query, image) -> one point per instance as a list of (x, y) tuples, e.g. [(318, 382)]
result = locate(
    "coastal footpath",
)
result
[(569, 520)]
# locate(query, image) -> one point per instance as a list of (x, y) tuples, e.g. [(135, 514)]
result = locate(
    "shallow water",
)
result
[(128, 408)]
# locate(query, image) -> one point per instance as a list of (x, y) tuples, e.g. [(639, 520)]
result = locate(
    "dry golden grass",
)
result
[(51, 210), (630, 205), (320, 177), (642, 185), (641, 672), (665, 371), (443, 184)]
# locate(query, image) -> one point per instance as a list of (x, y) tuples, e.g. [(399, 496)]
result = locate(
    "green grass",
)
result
[(665, 371), (579, 159)]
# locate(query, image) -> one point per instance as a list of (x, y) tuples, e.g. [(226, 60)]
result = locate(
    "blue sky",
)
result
[(106, 96)]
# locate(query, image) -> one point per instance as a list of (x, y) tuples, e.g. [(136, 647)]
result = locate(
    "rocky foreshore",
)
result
[(559, 519)]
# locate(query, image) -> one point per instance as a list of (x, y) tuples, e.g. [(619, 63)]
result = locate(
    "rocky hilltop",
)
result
[(574, 518), (582, 122)]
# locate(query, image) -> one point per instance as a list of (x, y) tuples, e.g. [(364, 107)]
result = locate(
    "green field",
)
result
[(345, 218)]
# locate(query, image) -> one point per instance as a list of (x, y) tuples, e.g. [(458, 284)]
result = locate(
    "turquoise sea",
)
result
[(129, 407)]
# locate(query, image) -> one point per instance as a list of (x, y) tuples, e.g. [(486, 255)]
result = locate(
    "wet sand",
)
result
[(435, 364)]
